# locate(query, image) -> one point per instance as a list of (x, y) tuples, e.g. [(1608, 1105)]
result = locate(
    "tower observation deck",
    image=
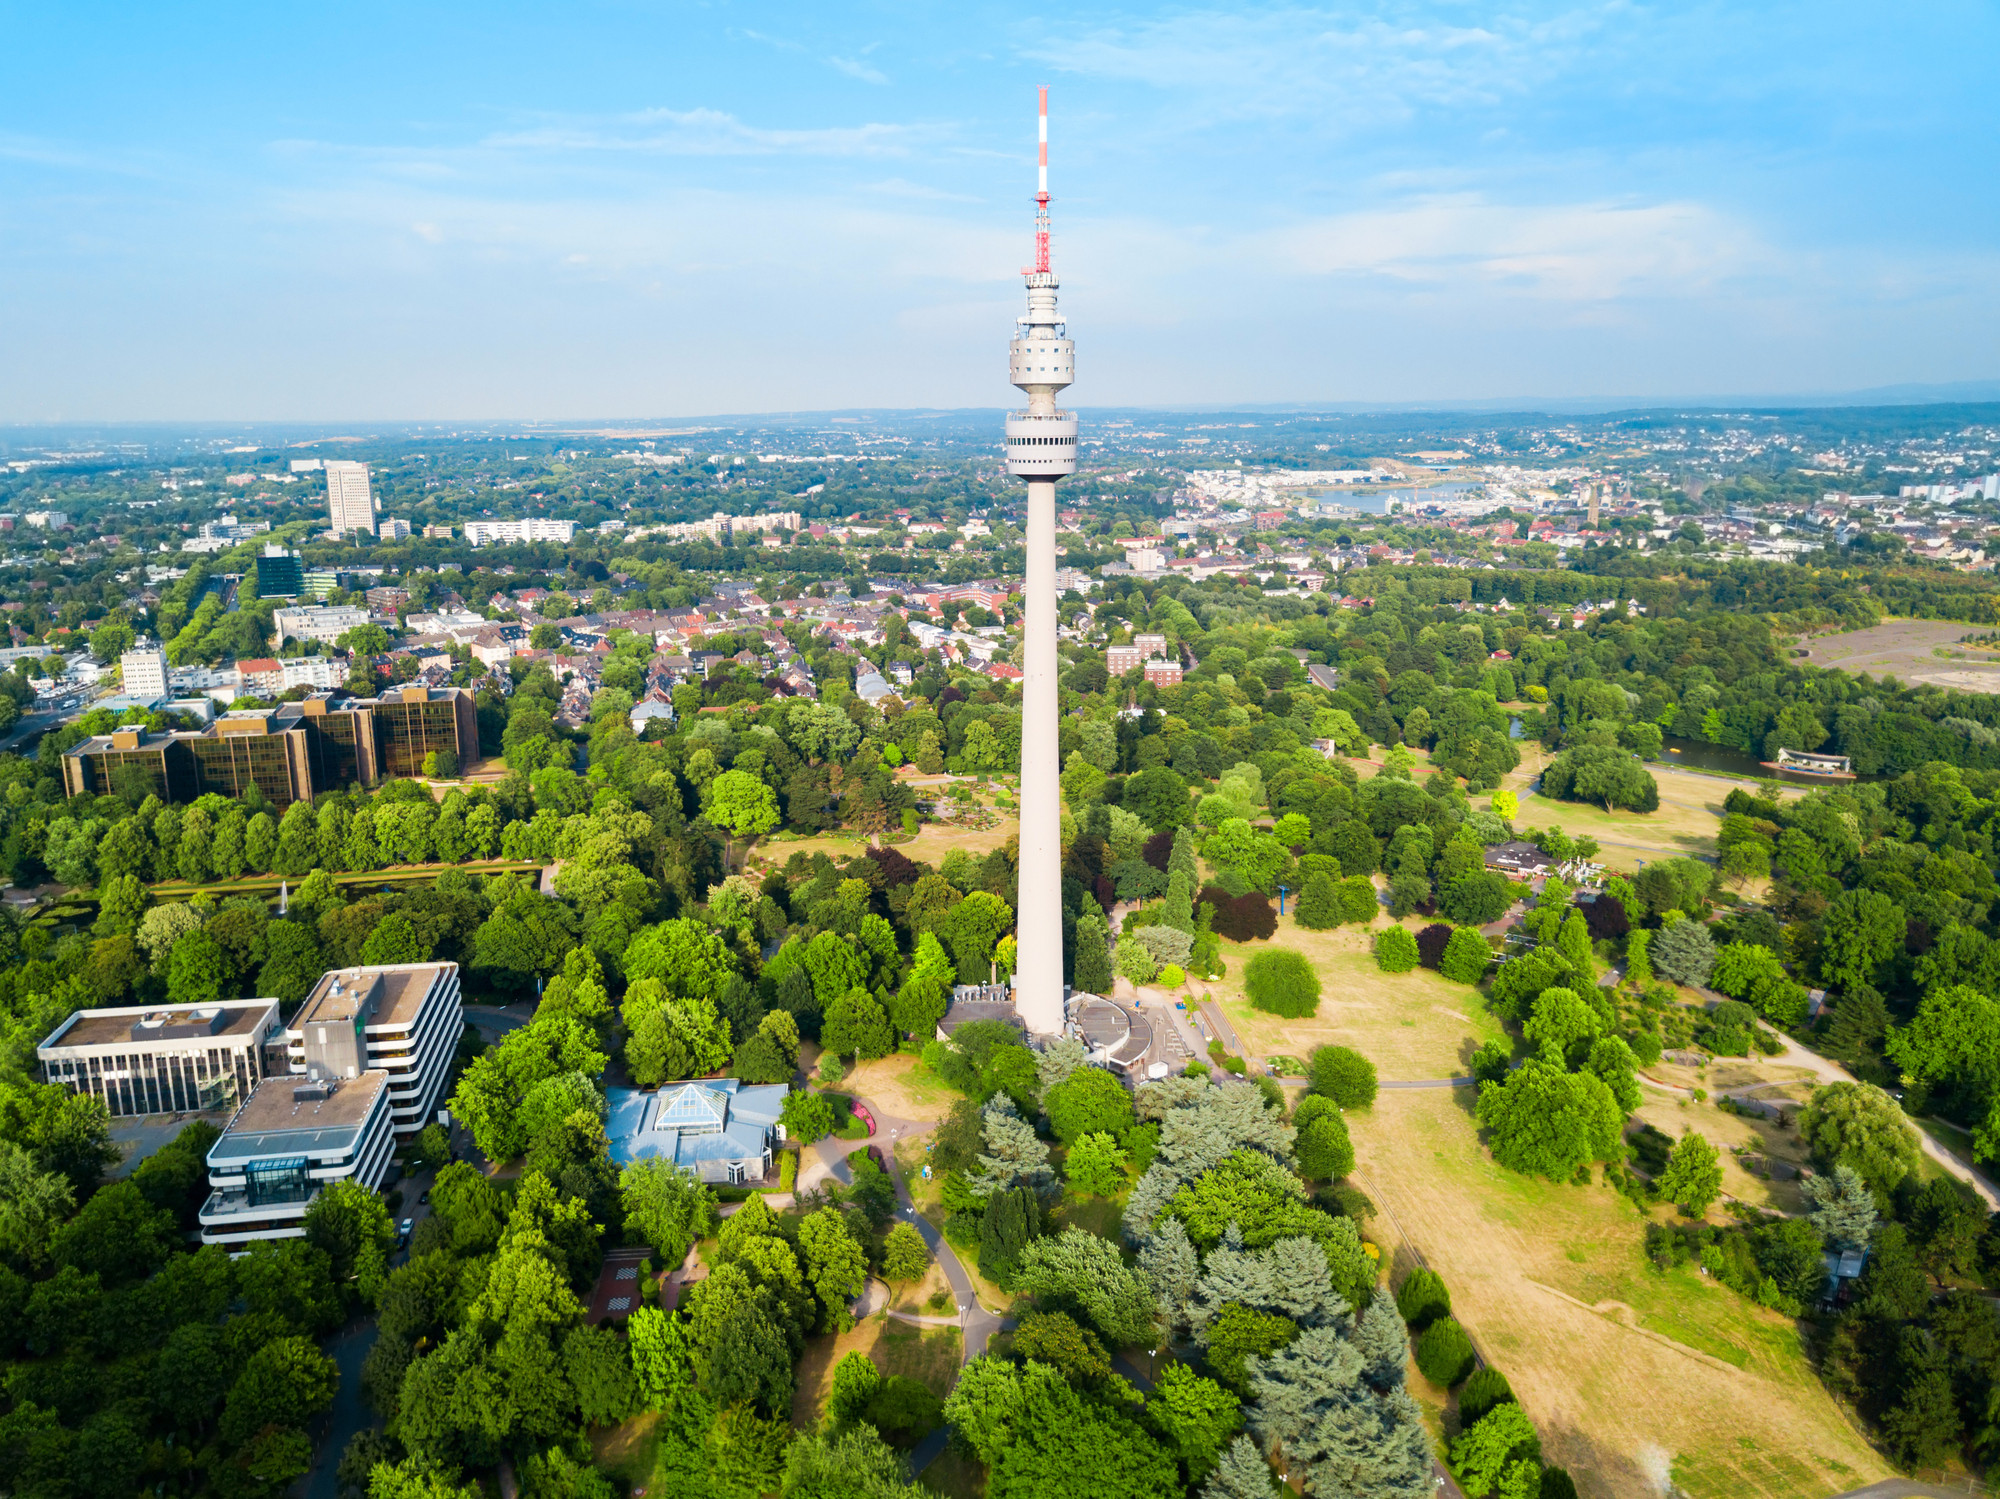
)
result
[(1041, 448)]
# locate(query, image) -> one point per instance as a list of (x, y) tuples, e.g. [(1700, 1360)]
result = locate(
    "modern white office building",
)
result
[(403, 1021), (491, 532), (291, 1138), (349, 505), (326, 622), (145, 673), (166, 1059)]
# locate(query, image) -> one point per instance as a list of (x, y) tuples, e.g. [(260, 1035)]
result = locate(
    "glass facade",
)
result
[(276, 1181), (160, 1082), (274, 763), (406, 732), (340, 748), (280, 578)]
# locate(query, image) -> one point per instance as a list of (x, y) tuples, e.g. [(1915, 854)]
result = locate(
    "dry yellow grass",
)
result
[(1410, 1025), (903, 1086), (1631, 1376), (929, 1354)]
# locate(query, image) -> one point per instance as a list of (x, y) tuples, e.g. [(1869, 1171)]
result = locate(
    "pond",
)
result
[(1699, 754)]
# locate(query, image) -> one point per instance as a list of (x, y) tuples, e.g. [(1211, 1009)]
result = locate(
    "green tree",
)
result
[(1096, 1166), (1543, 1121), (1693, 1175), (1859, 1126), (1395, 949), (286, 1382), (834, 1265), (1861, 931), (1282, 982), (199, 971), (1319, 905), (1466, 956), (855, 1025), (1343, 1075), (351, 1223), (905, 1257), (1088, 1101), (1683, 952), (1323, 1148), (668, 1207)]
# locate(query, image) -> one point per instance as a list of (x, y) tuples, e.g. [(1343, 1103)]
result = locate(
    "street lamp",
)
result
[(1283, 891)]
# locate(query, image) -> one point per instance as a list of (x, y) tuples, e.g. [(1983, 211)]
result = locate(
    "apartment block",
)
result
[(403, 1021), (166, 1059), (481, 533), (327, 622), (145, 673), (1119, 659), (1163, 673), (349, 505)]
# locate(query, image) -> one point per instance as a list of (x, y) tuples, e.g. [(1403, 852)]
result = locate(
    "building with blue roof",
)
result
[(715, 1128)]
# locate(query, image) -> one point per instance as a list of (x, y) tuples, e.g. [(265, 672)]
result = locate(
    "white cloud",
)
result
[(1571, 252), (709, 132), (854, 68), (1357, 71)]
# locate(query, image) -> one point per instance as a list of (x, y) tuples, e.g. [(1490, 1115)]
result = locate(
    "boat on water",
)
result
[(1814, 767)]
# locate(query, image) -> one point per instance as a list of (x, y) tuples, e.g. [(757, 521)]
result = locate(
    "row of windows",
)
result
[(1036, 442)]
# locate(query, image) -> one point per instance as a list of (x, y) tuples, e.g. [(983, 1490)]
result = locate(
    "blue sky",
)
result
[(373, 211)]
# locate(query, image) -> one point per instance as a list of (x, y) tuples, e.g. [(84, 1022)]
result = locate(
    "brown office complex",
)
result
[(290, 753)]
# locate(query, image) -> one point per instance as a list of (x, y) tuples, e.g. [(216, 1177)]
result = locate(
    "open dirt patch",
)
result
[(1907, 649), (1675, 1371)]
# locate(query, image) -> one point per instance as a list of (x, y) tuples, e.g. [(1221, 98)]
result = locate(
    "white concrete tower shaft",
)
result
[(1041, 448)]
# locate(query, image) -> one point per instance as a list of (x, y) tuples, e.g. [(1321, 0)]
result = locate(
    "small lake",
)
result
[(1699, 754)]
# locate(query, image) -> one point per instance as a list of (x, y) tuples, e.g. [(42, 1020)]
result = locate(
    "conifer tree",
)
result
[(1169, 1266), (1012, 1157), (1843, 1208), (1382, 1342), (1242, 1473), (1092, 972)]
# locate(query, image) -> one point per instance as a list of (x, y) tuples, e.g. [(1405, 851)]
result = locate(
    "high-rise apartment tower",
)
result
[(1041, 448), (349, 506)]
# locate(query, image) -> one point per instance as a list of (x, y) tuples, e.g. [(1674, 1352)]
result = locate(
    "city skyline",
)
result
[(654, 210)]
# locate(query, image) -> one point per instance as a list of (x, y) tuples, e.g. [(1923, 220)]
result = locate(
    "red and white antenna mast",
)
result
[(1042, 192)]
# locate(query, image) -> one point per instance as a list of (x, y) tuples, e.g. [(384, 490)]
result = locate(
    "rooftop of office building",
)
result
[(393, 995), (226, 1018), (294, 1116)]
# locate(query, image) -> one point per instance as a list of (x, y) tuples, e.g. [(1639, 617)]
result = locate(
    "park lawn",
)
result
[(1629, 1375), (1626, 839), (903, 1086), (929, 1354), (1411, 1025), (1674, 1116), (933, 841), (629, 1449)]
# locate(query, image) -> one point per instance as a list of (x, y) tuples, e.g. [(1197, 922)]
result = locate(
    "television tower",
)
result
[(1041, 448)]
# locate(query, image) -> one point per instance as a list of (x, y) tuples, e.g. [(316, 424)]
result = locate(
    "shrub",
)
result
[(1444, 1352), (1483, 1389), (1431, 943), (1465, 956), (1281, 982), (1241, 918), (1645, 1047), (1236, 1065), (1344, 1075), (1423, 1298), (1172, 976), (1395, 949)]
